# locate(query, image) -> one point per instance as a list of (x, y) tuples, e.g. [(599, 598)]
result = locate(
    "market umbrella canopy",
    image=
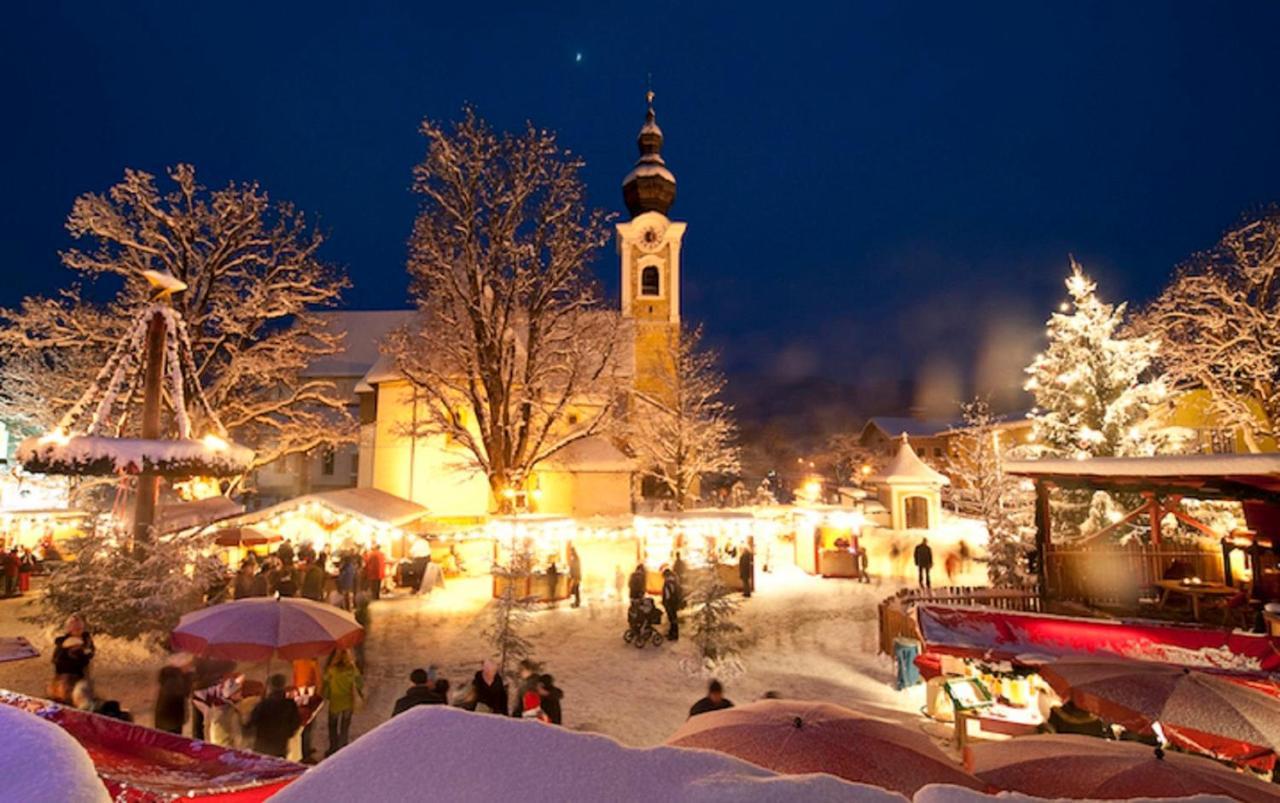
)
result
[(1196, 710), (796, 736), (1084, 767), (258, 628), (245, 536)]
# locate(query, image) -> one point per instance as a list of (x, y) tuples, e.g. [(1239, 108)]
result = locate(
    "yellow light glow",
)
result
[(214, 443), (55, 436)]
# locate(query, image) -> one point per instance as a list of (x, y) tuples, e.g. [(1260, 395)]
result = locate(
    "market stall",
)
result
[(699, 539), (827, 540)]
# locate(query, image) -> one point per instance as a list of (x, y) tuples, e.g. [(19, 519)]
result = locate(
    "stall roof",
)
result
[(175, 516), (369, 503), (1235, 476)]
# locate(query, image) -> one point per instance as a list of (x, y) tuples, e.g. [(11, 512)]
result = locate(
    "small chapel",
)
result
[(589, 477)]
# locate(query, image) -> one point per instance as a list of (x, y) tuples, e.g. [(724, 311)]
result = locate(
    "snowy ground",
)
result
[(806, 638)]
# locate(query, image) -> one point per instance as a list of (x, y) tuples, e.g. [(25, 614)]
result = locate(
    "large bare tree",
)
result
[(1219, 328), (681, 430), (253, 275), (511, 355)]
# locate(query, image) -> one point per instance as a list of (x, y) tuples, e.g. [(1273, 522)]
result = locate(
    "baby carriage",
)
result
[(643, 618)]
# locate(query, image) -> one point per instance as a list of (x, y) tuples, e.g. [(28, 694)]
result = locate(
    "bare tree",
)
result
[(1217, 323), (681, 430), (252, 275), (512, 352)]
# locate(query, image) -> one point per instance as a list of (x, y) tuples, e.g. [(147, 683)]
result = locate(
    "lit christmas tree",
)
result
[(1091, 395)]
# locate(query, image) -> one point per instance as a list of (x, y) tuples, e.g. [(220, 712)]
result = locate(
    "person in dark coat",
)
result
[(12, 568), (422, 692), (924, 563), (285, 554), (171, 700), (714, 701), (312, 581), (549, 696), (637, 582), (575, 576), (672, 602), (73, 650), (260, 586), (274, 720), (747, 570), (242, 587), (529, 676), (491, 692)]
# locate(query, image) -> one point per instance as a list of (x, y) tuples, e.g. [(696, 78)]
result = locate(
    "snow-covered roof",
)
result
[(1206, 471), (176, 516), (594, 454), (364, 330), (906, 468), (369, 503), (912, 427), (40, 761), (383, 370)]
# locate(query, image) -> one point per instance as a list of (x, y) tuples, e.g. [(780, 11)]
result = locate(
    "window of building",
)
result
[(327, 462), (650, 281), (917, 510)]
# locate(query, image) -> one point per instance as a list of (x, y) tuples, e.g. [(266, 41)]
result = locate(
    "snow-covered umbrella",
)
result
[(486, 757), (796, 736), (1196, 710), (1085, 767), (258, 628)]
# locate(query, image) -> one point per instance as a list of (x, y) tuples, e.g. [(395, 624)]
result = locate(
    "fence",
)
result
[(1120, 575), (897, 613)]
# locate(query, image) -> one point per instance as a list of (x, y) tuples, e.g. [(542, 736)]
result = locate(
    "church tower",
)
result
[(649, 251)]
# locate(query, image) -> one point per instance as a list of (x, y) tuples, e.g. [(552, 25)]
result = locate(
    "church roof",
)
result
[(594, 454), (650, 186), (906, 468)]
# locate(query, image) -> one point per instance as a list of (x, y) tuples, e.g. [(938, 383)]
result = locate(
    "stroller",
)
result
[(643, 618)]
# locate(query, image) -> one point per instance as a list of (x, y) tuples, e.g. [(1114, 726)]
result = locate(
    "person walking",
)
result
[(26, 567), (714, 701), (672, 602), (747, 570), (12, 565), (274, 720), (549, 696), (924, 563), (73, 650), (491, 692), (575, 576), (171, 700), (348, 574), (375, 571), (343, 683), (420, 693), (312, 581)]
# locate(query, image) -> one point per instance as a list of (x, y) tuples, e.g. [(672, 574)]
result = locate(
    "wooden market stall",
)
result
[(827, 540)]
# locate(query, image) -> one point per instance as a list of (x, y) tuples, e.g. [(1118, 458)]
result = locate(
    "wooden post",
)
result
[(144, 511), (1157, 512), (1044, 535)]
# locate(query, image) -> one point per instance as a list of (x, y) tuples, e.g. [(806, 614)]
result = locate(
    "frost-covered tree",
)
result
[(128, 594), (1217, 323), (680, 428), (252, 275), (512, 352), (1092, 397), (976, 469), (509, 616), (716, 636)]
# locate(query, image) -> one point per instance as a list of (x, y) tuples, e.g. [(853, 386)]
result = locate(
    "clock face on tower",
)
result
[(651, 238)]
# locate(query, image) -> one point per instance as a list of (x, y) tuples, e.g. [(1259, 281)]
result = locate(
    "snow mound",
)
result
[(450, 754), (946, 793), (42, 763)]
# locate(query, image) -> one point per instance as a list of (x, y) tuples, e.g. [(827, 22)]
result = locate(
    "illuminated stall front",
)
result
[(701, 538), (827, 540), (39, 529), (607, 550)]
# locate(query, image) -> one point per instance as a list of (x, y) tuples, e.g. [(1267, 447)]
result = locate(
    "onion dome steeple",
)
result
[(650, 186)]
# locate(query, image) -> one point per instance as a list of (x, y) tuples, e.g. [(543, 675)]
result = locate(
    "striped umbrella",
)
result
[(258, 628)]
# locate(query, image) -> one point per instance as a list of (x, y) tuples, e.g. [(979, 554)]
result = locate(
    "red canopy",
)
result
[(141, 765)]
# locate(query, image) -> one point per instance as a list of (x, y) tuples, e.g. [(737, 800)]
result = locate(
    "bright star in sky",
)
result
[(577, 57)]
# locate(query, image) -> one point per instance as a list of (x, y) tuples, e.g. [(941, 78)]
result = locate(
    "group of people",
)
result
[(17, 566), (306, 574), (536, 696)]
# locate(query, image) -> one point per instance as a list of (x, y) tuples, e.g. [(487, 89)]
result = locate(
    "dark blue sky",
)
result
[(873, 190)]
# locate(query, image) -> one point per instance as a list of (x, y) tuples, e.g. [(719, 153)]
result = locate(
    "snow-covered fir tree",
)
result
[(977, 472), (1092, 395), (510, 612), (716, 636), (680, 429), (131, 593), (512, 334), (253, 275), (1217, 323)]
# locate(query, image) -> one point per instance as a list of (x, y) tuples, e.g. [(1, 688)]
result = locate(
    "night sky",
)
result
[(883, 192)]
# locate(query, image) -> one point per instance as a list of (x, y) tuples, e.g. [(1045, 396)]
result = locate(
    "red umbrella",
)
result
[(1198, 711), (1084, 767), (795, 737), (245, 536), (258, 628)]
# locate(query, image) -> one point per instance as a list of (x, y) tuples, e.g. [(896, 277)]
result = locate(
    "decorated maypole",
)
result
[(155, 359)]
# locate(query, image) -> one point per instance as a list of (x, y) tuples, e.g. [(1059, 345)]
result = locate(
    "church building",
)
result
[(589, 477)]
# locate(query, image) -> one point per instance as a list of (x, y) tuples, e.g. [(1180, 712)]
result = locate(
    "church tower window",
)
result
[(650, 281)]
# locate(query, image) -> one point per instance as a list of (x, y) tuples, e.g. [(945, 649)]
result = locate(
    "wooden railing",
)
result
[(1117, 575), (897, 613)]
